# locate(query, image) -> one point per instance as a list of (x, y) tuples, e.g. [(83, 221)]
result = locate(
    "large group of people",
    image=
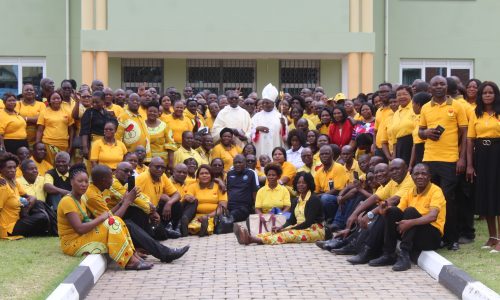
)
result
[(118, 171)]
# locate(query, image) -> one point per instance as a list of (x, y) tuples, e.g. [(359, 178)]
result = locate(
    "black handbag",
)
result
[(223, 222)]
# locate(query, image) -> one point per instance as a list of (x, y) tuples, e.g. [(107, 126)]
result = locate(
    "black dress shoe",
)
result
[(454, 246), (184, 226), (348, 249), (204, 228), (173, 233), (335, 243), (384, 260), (362, 258), (403, 263), (320, 244), (174, 254)]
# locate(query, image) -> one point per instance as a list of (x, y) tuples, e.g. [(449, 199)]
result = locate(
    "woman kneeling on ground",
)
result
[(106, 233), (303, 226)]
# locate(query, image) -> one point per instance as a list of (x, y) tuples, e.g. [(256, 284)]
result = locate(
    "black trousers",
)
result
[(34, 224), (444, 175), (139, 217), (465, 200), (12, 145), (239, 213), (379, 152), (419, 152), (374, 237), (179, 209), (142, 239), (404, 145), (417, 238)]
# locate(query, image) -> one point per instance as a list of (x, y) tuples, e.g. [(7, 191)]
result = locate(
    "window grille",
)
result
[(425, 69), (298, 74), (220, 75), (139, 71)]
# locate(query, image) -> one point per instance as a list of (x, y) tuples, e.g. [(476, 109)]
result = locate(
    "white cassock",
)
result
[(231, 117), (266, 142)]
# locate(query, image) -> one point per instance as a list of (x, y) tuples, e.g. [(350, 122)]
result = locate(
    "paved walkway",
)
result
[(217, 267)]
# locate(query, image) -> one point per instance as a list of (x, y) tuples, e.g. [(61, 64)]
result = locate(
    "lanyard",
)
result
[(86, 218)]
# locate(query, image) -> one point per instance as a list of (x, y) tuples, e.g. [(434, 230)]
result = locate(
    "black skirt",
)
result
[(419, 152), (487, 183), (12, 145), (404, 145)]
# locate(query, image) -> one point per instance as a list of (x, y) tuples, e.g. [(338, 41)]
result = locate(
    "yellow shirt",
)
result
[(431, 197), (181, 188), (402, 122), (385, 133), (313, 118), (143, 112), (306, 169), (208, 198), (12, 126), (30, 111), (181, 154), (381, 116), (33, 189), (161, 140), (416, 138), (268, 198), (43, 166), (190, 180), (49, 179), (68, 106), (116, 109), (469, 109), (324, 129), (106, 154), (485, 127), (191, 117), (227, 156), (205, 156), (451, 115), (210, 122), (392, 188), (64, 228), (97, 201), (118, 190), (154, 189), (140, 170), (56, 124), (354, 168), (300, 208), (10, 207), (133, 132), (178, 126), (337, 173), (289, 171), (310, 125)]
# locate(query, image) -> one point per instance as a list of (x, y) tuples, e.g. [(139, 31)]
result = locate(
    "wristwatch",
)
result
[(370, 215)]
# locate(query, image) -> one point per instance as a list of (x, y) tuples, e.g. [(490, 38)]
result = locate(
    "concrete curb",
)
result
[(83, 278), (454, 279)]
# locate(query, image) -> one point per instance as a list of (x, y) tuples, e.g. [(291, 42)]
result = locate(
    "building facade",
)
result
[(343, 45)]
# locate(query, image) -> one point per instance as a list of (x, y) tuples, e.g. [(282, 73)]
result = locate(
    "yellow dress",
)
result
[(133, 132), (111, 236), (161, 140), (208, 200), (56, 130), (227, 156)]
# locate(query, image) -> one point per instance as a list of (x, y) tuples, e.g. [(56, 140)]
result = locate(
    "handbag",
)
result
[(223, 222), (256, 226)]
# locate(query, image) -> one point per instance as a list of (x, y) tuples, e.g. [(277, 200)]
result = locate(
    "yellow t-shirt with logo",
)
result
[(154, 189), (337, 173)]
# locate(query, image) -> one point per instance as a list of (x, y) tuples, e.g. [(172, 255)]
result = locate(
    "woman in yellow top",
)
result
[(209, 196), (303, 226), (162, 143), (191, 112), (297, 113), (226, 150), (18, 216), (403, 124), (80, 235), (29, 109), (289, 171), (12, 126), (108, 150), (483, 161), (417, 151), (273, 194), (55, 128), (166, 108), (178, 123), (387, 138), (326, 120)]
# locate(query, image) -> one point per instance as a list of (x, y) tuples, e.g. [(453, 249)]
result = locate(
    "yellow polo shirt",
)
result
[(42, 167), (402, 122), (10, 207), (354, 168), (181, 188), (68, 106), (289, 171), (191, 117), (30, 111), (116, 109), (268, 198), (208, 198), (33, 189), (178, 126), (154, 189), (140, 170), (485, 127), (97, 201), (381, 116), (416, 138), (227, 156), (337, 173), (12, 126), (56, 124), (431, 197), (469, 109), (182, 154), (312, 118), (106, 154), (306, 169), (205, 156), (392, 188), (118, 190), (451, 115)]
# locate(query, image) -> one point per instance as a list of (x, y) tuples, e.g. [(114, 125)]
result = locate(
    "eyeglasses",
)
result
[(251, 160)]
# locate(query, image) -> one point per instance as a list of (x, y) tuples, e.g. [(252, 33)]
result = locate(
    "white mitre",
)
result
[(270, 92)]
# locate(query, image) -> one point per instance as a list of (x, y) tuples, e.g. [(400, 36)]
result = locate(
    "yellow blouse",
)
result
[(268, 198), (106, 154), (178, 126), (56, 124), (485, 127), (208, 198), (161, 140), (402, 122), (300, 208), (12, 126), (227, 156), (10, 207)]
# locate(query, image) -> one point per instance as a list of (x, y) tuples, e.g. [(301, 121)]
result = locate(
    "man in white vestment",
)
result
[(269, 129)]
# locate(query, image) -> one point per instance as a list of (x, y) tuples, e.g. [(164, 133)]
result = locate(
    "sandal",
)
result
[(492, 241), (496, 249), (141, 265)]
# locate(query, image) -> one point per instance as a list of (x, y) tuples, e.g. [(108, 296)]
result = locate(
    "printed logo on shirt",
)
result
[(245, 177)]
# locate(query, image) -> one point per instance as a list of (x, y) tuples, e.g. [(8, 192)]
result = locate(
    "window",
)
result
[(298, 74), (220, 75), (412, 69), (15, 71), (138, 71)]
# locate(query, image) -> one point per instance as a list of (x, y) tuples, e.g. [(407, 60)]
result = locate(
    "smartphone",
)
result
[(440, 129), (130, 183), (356, 175)]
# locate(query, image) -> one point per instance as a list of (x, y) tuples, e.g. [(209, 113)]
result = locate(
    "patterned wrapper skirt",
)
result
[(309, 235)]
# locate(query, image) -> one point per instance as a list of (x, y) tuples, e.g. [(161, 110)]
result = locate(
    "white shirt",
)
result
[(294, 157)]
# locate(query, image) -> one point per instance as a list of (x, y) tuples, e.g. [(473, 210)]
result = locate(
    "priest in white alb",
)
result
[(235, 117), (269, 129)]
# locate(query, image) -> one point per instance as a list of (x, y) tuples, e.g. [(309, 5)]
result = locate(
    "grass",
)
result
[(31, 268), (477, 262)]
